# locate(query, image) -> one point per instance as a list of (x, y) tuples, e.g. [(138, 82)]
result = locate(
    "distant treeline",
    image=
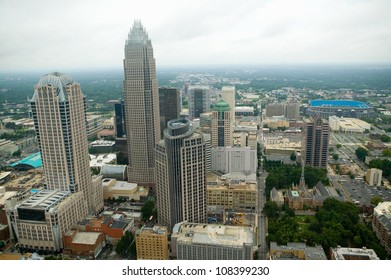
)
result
[(105, 85)]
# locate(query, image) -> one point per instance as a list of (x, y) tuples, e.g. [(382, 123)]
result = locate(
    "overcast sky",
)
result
[(90, 34)]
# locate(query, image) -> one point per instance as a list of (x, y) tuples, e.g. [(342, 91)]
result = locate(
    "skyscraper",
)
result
[(180, 175), (70, 193), (316, 134), (119, 119), (228, 94), (169, 106), (141, 105), (199, 101), (221, 125), (58, 109)]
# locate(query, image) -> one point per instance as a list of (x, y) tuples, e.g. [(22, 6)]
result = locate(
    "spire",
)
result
[(302, 182), (137, 33)]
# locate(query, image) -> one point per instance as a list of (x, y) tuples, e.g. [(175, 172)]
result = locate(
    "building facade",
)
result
[(141, 105), (381, 224), (275, 109), (119, 119), (222, 120), (234, 195), (316, 148), (194, 241), (152, 243), (180, 175), (234, 159), (292, 110), (345, 254), (58, 109), (169, 106), (228, 94), (41, 221), (199, 101), (374, 176)]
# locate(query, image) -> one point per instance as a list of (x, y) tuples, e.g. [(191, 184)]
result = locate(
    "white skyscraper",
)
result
[(58, 109)]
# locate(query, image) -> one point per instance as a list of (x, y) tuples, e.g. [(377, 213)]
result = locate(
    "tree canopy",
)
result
[(361, 153)]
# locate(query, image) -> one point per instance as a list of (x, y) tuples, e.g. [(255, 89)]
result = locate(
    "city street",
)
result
[(262, 220)]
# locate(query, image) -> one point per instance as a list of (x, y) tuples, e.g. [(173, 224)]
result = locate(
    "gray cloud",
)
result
[(47, 34)]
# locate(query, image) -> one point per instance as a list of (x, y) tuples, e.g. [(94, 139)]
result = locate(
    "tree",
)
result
[(386, 153), (271, 209), (335, 156), (339, 146), (361, 153), (126, 245), (293, 157), (331, 149), (375, 200), (385, 138), (148, 210), (10, 125), (95, 171), (17, 153)]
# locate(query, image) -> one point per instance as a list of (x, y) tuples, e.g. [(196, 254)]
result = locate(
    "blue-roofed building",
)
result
[(31, 162), (340, 108)]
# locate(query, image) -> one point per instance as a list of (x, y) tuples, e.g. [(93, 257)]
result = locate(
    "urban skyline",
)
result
[(177, 168)]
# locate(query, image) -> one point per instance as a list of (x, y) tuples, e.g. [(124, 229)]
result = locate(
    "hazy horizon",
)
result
[(90, 34)]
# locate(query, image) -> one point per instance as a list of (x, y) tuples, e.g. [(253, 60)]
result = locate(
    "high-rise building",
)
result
[(228, 94), (119, 119), (292, 110), (316, 135), (199, 101), (58, 109), (234, 159), (222, 125), (180, 175), (374, 176), (169, 106), (141, 105), (275, 110)]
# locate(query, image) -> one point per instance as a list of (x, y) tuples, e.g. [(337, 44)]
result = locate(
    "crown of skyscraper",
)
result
[(57, 80), (137, 33)]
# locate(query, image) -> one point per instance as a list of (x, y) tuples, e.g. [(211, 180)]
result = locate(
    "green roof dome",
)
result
[(221, 106)]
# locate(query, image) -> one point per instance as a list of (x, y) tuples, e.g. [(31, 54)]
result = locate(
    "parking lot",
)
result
[(361, 194)]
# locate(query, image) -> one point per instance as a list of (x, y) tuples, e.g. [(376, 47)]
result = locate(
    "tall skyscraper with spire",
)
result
[(141, 105)]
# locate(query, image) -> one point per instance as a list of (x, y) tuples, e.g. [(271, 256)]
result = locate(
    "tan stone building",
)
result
[(237, 195), (113, 189), (41, 221), (374, 176), (60, 122), (152, 243)]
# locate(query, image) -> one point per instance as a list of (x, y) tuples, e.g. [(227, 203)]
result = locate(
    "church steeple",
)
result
[(302, 181)]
